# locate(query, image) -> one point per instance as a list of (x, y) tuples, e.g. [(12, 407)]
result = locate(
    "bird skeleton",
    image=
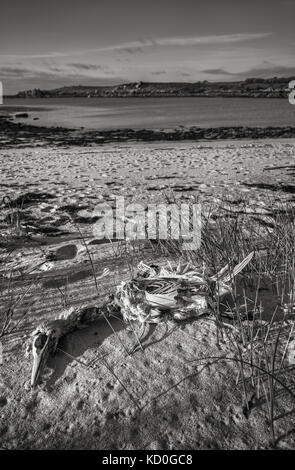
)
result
[(150, 297)]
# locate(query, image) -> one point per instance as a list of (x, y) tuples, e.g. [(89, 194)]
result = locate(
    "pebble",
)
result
[(23, 413), (155, 445), (80, 404), (3, 401), (11, 430)]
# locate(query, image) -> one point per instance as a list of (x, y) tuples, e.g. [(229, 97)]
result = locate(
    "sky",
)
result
[(50, 43)]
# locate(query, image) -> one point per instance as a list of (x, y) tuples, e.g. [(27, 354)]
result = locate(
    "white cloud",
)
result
[(224, 38), (138, 46)]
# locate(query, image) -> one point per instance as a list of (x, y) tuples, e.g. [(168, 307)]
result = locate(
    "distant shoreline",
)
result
[(276, 87)]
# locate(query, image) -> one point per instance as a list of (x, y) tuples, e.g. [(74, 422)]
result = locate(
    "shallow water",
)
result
[(106, 113)]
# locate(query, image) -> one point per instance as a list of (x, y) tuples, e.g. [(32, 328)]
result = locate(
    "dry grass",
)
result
[(260, 336)]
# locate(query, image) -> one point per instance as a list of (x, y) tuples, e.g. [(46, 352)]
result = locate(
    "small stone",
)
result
[(46, 426), (27, 385), (70, 428), (80, 405), (23, 413), (3, 430), (3, 401), (155, 445), (11, 429)]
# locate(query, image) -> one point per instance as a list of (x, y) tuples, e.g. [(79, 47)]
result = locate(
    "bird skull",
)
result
[(44, 343)]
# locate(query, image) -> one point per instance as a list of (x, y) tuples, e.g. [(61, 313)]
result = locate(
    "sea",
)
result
[(154, 113)]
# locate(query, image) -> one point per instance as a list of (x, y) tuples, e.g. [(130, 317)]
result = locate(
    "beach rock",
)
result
[(21, 115)]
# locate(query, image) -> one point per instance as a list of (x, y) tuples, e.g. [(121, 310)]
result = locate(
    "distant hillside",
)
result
[(250, 88)]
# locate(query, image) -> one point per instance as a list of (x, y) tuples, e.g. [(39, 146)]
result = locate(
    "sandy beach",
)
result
[(156, 397), (185, 168)]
